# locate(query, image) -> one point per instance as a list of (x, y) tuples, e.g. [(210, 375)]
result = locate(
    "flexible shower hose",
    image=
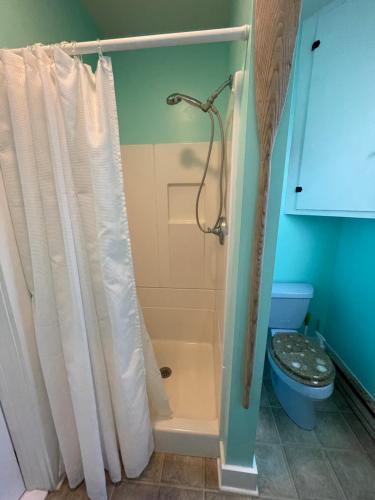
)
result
[(221, 175)]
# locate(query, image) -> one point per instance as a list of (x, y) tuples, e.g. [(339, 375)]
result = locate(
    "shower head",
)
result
[(177, 98), (173, 99)]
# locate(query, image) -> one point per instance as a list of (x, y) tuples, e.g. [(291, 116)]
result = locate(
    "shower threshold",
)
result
[(194, 428)]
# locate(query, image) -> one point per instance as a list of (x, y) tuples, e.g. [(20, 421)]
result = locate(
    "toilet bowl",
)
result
[(298, 392), (302, 372)]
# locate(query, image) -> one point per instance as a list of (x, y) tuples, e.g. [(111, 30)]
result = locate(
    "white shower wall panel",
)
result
[(187, 257), (175, 268), (179, 314), (139, 181), (175, 264)]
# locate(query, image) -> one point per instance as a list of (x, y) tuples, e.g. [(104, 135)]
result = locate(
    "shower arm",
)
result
[(209, 104)]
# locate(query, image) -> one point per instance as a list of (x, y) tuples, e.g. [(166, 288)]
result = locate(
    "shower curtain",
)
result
[(61, 167)]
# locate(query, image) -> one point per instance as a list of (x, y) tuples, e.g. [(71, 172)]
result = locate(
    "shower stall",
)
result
[(181, 268), (86, 390), (80, 271)]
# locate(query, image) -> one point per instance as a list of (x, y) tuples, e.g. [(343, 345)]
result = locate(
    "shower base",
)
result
[(194, 428)]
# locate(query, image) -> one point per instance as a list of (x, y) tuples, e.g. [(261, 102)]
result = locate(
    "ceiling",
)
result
[(119, 18)]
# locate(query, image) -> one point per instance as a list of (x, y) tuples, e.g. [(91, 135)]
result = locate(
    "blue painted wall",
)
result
[(337, 257), (350, 324), (306, 251)]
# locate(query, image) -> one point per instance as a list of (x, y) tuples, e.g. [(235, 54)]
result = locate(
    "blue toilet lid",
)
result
[(302, 358)]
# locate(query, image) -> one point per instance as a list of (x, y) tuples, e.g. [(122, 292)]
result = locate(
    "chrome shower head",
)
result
[(173, 99), (177, 98)]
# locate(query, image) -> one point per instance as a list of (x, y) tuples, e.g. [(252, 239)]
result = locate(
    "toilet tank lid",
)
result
[(292, 291)]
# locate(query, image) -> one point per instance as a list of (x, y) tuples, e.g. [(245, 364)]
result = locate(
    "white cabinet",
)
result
[(332, 156), (11, 483)]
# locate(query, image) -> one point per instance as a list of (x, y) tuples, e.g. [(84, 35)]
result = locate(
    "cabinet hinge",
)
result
[(315, 45), (298, 189)]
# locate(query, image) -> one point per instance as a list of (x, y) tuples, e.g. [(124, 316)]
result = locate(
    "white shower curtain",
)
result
[(61, 166)]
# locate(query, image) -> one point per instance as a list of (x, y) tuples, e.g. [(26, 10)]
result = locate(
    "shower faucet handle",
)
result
[(221, 229)]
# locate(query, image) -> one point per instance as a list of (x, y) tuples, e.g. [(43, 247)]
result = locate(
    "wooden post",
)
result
[(276, 24)]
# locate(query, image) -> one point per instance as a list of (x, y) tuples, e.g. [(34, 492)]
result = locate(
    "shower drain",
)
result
[(165, 371)]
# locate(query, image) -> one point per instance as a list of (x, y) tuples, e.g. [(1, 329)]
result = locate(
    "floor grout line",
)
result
[(334, 475), (284, 454), (319, 444), (162, 466), (277, 428), (289, 470), (355, 434), (355, 443)]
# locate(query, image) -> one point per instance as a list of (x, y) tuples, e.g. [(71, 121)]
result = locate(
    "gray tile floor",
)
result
[(335, 461), (167, 477)]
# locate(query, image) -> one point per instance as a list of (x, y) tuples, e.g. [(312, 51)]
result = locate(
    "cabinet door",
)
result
[(337, 168), (11, 483)]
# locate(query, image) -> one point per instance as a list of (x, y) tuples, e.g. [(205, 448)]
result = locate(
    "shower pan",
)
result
[(181, 270)]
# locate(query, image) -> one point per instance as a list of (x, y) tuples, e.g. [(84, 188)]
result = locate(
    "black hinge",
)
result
[(298, 189), (315, 45)]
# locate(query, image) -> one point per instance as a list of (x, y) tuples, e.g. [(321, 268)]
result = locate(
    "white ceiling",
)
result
[(118, 18)]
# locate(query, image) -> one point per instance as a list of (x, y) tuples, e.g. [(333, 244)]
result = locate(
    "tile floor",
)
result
[(167, 477), (335, 461)]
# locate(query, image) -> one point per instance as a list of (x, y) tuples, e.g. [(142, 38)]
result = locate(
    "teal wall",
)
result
[(337, 257), (46, 21), (239, 425), (143, 80), (239, 52), (236, 428), (350, 329), (240, 434), (306, 251)]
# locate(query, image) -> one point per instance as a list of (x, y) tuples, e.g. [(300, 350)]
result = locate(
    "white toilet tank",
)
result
[(289, 304)]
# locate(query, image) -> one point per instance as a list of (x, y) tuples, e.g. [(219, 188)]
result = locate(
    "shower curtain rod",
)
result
[(163, 40)]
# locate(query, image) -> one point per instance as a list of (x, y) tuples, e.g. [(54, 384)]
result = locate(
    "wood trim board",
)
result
[(276, 25)]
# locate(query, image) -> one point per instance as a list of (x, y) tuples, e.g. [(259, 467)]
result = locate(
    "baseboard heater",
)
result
[(360, 401)]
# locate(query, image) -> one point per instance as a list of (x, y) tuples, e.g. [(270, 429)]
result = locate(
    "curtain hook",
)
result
[(75, 55), (51, 52), (100, 49)]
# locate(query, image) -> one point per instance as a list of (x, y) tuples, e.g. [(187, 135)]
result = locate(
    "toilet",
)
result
[(302, 372)]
